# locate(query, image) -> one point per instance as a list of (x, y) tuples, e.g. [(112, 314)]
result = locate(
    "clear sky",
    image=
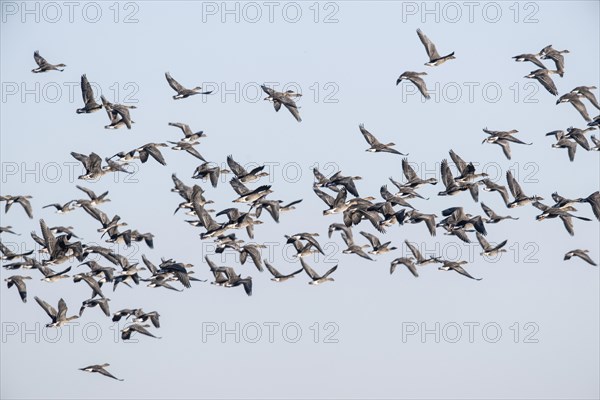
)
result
[(529, 329)]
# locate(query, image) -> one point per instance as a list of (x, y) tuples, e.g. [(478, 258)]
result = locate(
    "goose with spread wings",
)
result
[(415, 78), (376, 145), (183, 92), (285, 98), (44, 66), (434, 57)]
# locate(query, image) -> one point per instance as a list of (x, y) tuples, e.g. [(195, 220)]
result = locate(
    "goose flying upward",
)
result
[(434, 58)]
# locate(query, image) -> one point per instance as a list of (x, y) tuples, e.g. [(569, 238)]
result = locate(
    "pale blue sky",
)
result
[(355, 61)]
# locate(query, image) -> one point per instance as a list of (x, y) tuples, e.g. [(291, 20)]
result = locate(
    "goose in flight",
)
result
[(520, 198), (531, 58), (8, 255), (434, 58), (21, 200), (63, 208), (188, 147), (564, 142), (503, 139), (94, 199), (58, 318), (285, 98), (378, 248), (408, 262), (494, 218), (213, 172), (44, 66), (277, 276), (376, 145), (89, 101), (118, 114), (573, 98), (129, 330), (581, 254), (101, 370), (103, 303), (18, 281), (457, 266), (415, 78), (183, 92), (548, 53), (317, 279), (560, 212), (586, 91), (419, 259), (190, 136), (412, 179), (488, 249), (543, 77), (242, 174), (92, 165)]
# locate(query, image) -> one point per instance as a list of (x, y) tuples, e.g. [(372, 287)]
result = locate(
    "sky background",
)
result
[(346, 70)]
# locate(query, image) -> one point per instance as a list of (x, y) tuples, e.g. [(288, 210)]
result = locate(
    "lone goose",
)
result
[(581, 254), (43, 65), (277, 276), (543, 77), (22, 200), (100, 369), (489, 250), (18, 281), (434, 58), (415, 78), (182, 92), (494, 218), (377, 146), (573, 98), (285, 98), (520, 198), (456, 266), (87, 92), (317, 279), (58, 318), (378, 248), (529, 57)]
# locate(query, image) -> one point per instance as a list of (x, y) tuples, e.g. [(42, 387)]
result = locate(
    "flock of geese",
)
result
[(59, 244)]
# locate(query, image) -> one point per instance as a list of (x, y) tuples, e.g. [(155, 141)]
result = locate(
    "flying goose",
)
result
[(452, 187), (347, 182), (52, 276), (22, 200), (520, 198), (87, 92), (339, 227), (563, 142), (408, 262), (581, 254), (277, 276), (141, 316), (129, 330), (378, 248), (182, 92), (573, 98), (415, 217), (254, 253), (317, 279), (58, 318), (8, 229), (91, 282), (412, 179), (8, 255), (308, 237), (246, 195), (118, 114), (92, 165), (596, 142), (187, 146), (543, 77), (434, 58), (490, 186), (151, 149), (213, 173), (377, 146), (415, 78), (189, 135), (242, 174), (419, 259), (594, 201), (43, 65), (62, 208), (489, 250), (101, 370), (467, 171), (336, 205), (529, 57), (555, 55), (586, 91), (103, 303), (285, 98), (562, 213), (94, 200), (18, 281), (503, 139), (456, 266), (493, 218)]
